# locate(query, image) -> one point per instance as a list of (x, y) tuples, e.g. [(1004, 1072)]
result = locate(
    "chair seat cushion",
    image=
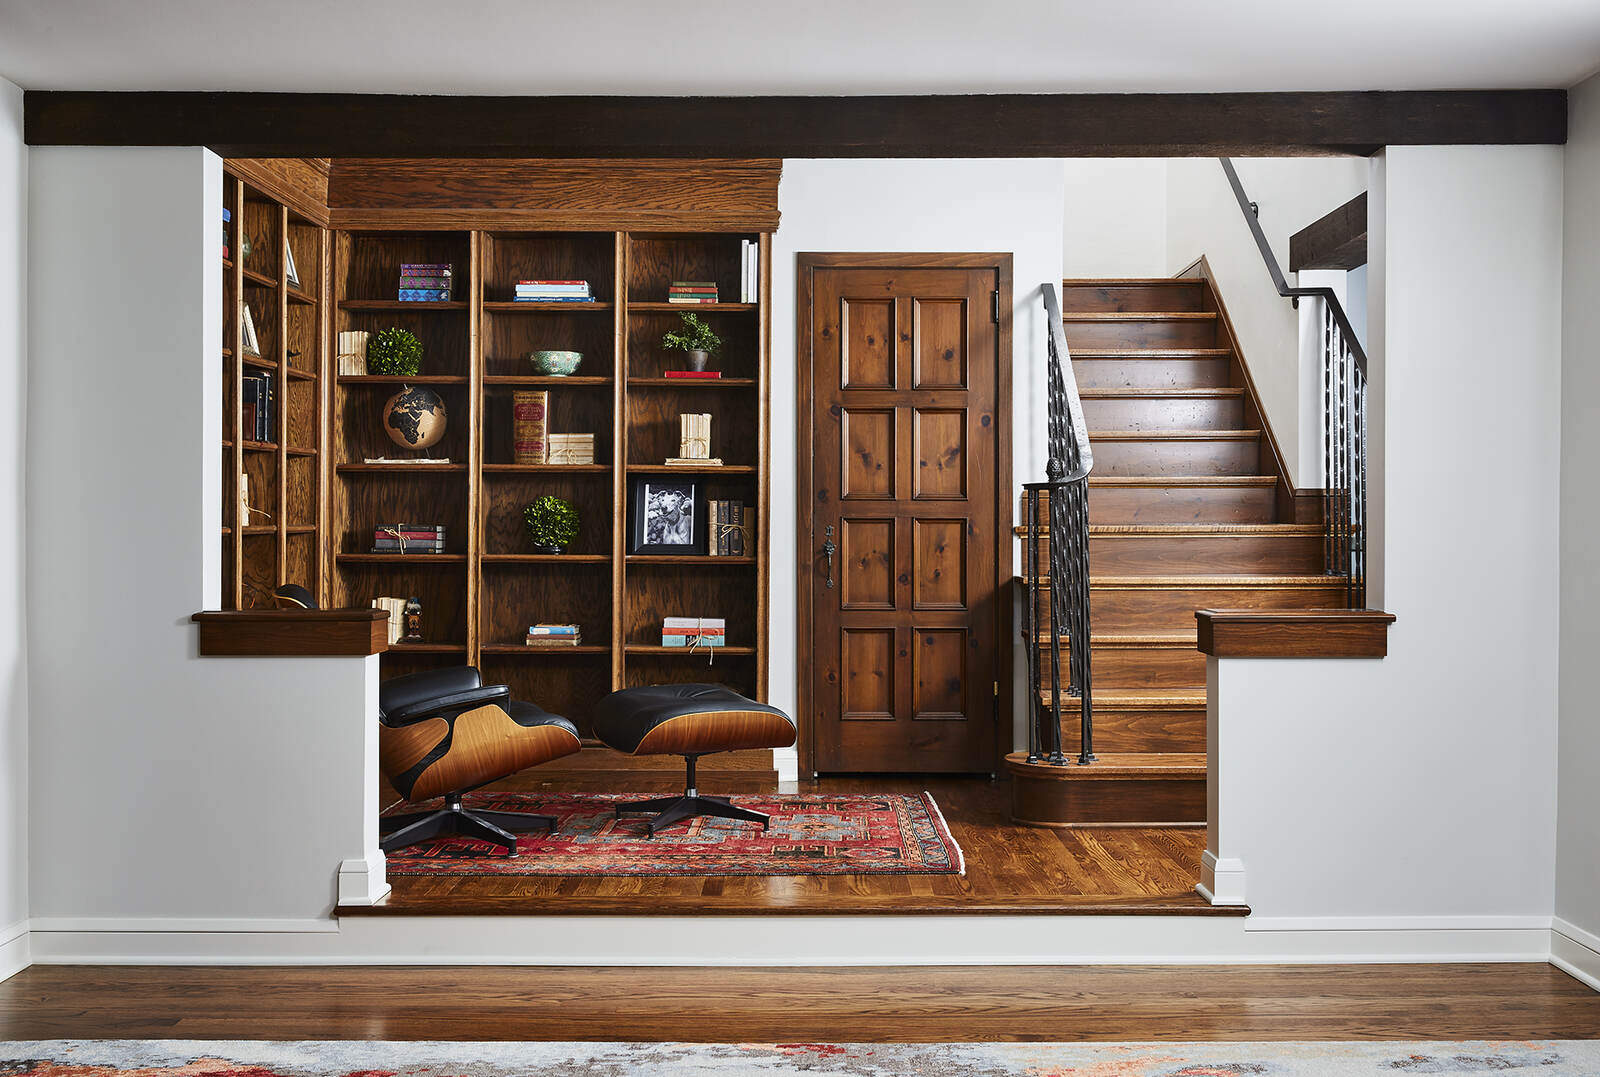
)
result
[(714, 718), (528, 714)]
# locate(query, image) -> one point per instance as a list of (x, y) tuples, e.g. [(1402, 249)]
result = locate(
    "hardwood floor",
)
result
[(1232, 1002), (1009, 869)]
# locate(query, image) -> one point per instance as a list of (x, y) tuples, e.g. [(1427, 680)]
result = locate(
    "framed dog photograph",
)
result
[(666, 516)]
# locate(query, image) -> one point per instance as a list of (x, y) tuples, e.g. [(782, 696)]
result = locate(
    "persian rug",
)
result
[(811, 834), (355, 1058)]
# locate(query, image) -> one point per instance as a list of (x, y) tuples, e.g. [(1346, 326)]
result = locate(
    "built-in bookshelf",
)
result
[(479, 597), (272, 483)]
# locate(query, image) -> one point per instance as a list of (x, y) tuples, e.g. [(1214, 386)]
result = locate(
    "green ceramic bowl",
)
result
[(555, 364)]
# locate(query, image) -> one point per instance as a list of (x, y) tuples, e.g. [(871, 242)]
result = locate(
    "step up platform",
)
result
[(1133, 789)]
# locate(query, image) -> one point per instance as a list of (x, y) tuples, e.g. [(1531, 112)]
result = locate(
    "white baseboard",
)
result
[(1221, 880), (1575, 952), (15, 949), (363, 881), (781, 941)]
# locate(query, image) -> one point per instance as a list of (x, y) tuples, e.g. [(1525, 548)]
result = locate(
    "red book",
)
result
[(693, 373)]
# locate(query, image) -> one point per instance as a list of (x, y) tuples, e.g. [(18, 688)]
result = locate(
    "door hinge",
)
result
[(997, 689), (994, 306)]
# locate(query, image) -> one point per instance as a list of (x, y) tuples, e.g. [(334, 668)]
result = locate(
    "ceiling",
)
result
[(815, 47)]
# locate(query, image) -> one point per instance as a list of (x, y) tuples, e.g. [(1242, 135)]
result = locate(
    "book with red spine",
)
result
[(699, 375)]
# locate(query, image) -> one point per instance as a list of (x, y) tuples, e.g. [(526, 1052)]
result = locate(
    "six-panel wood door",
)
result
[(903, 427)]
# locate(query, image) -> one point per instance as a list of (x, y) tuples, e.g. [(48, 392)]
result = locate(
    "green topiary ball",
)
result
[(395, 353), (552, 522)]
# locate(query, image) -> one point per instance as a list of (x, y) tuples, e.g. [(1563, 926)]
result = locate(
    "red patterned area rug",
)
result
[(811, 834)]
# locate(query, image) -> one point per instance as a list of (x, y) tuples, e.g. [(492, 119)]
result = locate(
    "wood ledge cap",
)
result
[(1331, 633)]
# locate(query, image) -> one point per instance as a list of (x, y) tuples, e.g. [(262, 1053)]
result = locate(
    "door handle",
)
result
[(828, 550)]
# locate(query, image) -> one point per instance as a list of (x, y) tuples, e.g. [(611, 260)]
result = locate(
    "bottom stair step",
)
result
[(1137, 721), (1120, 789)]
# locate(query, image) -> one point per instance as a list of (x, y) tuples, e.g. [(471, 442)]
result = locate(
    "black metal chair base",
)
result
[(672, 810), (496, 827)]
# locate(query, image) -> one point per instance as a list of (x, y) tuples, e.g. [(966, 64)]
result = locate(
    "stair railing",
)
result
[(1065, 497), (1344, 418)]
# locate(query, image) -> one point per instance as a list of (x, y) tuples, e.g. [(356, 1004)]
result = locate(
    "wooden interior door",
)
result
[(905, 433)]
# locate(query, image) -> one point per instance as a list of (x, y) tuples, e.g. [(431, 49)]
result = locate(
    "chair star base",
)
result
[(453, 820), (670, 810)]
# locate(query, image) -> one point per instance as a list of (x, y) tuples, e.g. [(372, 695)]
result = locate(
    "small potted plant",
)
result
[(694, 338), (394, 353), (552, 523)]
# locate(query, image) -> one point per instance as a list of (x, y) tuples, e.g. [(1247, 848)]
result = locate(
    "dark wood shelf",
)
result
[(674, 469), (296, 374), (658, 308), (502, 307), (260, 280), (687, 559), (257, 360), (272, 446), (401, 304), (420, 559), (522, 648), (395, 469), (696, 652), (297, 296), (428, 648), (536, 469), (395, 379), (546, 559), (573, 381), (692, 383)]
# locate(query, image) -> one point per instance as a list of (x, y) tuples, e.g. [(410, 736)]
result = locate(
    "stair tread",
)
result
[(1186, 765), (1149, 697), (1130, 639), (1125, 282), (1149, 353), (1219, 392), (1201, 581), (1189, 529), (1172, 435), (1183, 480), (1139, 315)]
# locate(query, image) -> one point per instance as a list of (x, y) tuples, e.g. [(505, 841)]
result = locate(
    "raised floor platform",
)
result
[(1010, 870)]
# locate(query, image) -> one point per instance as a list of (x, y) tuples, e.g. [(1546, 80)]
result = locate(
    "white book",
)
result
[(694, 622), (744, 271)]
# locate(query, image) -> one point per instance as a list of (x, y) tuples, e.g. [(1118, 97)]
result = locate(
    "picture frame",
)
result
[(290, 274), (252, 346), (666, 516)]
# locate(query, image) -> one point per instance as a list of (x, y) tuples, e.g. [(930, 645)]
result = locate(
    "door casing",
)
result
[(805, 263)]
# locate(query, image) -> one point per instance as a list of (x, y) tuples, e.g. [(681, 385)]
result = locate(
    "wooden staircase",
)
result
[(1189, 508)]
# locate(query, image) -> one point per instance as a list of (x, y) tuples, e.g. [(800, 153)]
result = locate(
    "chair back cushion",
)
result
[(413, 688)]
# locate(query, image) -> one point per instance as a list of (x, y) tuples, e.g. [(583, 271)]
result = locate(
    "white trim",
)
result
[(1397, 923), (364, 880), (1575, 952), (1221, 879), (780, 941), (107, 925), (15, 949)]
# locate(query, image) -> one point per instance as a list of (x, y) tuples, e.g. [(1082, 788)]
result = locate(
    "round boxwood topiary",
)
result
[(395, 353), (552, 523)]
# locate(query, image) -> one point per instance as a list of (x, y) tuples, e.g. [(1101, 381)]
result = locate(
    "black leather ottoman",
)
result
[(690, 720)]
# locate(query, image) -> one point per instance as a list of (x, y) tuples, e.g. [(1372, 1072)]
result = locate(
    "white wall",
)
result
[(1420, 789), (1203, 218), (1578, 822), (162, 785), (13, 424), (1115, 217), (905, 205)]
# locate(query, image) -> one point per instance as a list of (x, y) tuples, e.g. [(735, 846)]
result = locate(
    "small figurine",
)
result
[(413, 621)]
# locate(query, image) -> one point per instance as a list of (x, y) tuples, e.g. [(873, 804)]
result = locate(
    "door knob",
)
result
[(828, 550)]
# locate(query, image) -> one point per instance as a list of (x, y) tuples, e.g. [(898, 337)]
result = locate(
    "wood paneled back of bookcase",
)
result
[(629, 228)]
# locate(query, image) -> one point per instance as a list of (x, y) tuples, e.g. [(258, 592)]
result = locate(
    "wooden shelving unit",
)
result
[(281, 541), (478, 599)]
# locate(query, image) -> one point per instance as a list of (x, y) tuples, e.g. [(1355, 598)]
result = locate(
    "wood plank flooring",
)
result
[(1010, 869), (1232, 1002)]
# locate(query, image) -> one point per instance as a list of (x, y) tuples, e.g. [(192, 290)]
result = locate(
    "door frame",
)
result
[(806, 262)]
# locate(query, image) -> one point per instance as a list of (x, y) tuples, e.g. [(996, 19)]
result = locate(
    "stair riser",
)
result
[(1166, 729), (1107, 801), (1124, 669), (1143, 333), (1150, 373), (1163, 609), (1184, 555), (1221, 457), (1182, 413), (1130, 297), (1181, 505)]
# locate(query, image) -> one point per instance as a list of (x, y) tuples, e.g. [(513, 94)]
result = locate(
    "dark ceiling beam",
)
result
[(993, 125), (1336, 241)]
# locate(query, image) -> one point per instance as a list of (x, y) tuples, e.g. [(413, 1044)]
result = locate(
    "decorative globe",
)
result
[(414, 418)]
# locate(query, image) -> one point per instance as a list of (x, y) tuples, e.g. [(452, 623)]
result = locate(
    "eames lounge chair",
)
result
[(443, 733)]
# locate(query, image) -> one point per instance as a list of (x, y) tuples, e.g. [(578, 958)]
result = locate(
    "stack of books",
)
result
[(227, 219), (694, 632), (408, 538), (546, 635), (692, 291), (749, 271), (730, 528), (553, 291), (426, 282), (260, 406), (397, 615), (694, 442), (353, 352), (569, 448)]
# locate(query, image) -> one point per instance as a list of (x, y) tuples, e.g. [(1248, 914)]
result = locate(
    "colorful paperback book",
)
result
[(444, 283), (553, 630), (554, 299), (427, 269), (424, 295), (702, 640), (691, 300), (695, 623)]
